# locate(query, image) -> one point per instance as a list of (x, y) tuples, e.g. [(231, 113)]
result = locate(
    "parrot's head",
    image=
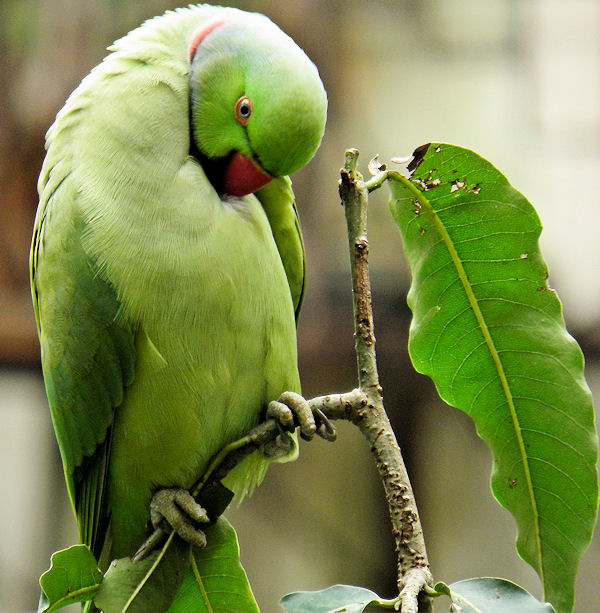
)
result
[(257, 104)]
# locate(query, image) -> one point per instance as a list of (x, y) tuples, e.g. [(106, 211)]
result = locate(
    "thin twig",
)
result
[(413, 566)]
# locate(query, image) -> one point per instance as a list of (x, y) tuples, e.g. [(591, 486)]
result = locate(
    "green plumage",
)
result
[(165, 309)]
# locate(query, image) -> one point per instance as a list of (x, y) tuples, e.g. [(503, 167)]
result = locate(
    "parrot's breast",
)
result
[(205, 285)]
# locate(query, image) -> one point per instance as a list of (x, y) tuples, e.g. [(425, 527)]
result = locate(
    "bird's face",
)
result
[(257, 104)]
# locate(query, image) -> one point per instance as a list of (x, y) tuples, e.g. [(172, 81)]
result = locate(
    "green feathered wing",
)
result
[(88, 354)]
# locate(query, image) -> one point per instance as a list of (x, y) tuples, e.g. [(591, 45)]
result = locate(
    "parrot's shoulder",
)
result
[(279, 203)]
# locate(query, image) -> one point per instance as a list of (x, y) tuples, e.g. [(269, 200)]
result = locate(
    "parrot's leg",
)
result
[(181, 512), (293, 410)]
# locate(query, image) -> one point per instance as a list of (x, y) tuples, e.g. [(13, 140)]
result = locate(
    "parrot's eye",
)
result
[(243, 110)]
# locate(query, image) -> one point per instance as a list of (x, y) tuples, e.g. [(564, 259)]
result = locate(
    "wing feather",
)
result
[(87, 351)]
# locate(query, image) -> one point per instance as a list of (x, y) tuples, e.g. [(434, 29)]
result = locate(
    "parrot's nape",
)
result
[(167, 264)]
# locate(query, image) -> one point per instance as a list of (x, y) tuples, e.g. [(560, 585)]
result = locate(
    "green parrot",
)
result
[(167, 264)]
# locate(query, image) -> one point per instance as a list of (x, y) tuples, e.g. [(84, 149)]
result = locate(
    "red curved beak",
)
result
[(243, 176)]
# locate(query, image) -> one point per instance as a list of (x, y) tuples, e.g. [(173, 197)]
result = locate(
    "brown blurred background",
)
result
[(517, 81)]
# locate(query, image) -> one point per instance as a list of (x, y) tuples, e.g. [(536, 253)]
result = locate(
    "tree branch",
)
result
[(370, 416)]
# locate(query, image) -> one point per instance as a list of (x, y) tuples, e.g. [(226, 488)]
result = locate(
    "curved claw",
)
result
[(181, 512), (325, 429)]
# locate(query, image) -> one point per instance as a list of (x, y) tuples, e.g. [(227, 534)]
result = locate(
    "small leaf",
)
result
[(375, 166), (73, 576), (489, 331), (217, 583), (346, 598), (127, 586), (490, 595)]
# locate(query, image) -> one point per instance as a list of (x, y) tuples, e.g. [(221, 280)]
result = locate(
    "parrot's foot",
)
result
[(177, 509), (293, 410)]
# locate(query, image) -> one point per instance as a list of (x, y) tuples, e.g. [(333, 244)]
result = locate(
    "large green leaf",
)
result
[(489, 331), (218, 582)]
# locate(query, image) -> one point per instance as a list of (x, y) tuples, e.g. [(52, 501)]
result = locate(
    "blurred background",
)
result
[(519, 82)]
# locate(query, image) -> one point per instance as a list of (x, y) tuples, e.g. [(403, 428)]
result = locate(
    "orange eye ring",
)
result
[(243, 110)]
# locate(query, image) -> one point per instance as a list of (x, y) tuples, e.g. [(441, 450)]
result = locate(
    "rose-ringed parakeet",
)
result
[(167, 264)]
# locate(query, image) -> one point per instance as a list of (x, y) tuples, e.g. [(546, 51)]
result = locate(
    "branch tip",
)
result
[(351, 160)]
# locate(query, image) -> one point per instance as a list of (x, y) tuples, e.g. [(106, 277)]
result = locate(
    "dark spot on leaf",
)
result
[(418, 155), (512, 483)]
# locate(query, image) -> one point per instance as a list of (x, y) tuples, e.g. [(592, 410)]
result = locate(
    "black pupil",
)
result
[(244, 110)]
